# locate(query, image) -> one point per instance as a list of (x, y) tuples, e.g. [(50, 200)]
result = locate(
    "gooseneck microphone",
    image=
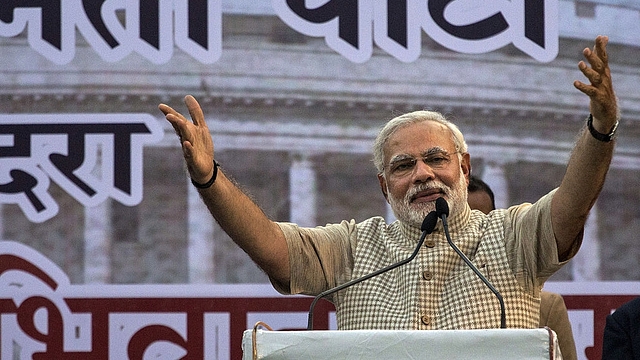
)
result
[(428, 224), (442, 210)]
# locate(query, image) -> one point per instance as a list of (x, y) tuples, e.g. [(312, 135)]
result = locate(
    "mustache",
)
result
[(437, 185)]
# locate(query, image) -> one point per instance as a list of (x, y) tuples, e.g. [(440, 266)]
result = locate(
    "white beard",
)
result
[(414, 214)]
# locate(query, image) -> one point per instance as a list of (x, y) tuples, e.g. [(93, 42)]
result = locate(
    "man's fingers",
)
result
[(164, 108), (171, 115), (187, 150), (598, 57), (601, 49), (594, 60), (168, 110), (594, 77), (603, 104), (197, 116), (586, 89), (597, 73)]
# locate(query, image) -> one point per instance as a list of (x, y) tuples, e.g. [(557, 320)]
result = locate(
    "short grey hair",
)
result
[(414, 117)]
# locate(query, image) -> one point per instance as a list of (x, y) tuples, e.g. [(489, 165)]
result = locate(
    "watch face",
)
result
[(614, 128)]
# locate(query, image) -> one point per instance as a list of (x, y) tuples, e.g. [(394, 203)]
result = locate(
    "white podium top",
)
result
[(490, 344)]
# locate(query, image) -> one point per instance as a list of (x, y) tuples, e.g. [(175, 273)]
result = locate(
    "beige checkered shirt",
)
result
[(514, 248)]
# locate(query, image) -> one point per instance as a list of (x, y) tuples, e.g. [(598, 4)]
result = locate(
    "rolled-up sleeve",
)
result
[(531, 244), (319, 258)]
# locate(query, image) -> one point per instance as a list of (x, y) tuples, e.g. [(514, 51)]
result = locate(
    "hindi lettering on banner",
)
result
[(464, 26), (350, 27), (148, 28), (91, 156), (42, 317)]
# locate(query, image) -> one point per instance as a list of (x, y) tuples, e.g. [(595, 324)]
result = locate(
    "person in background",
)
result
[(553, 311), (621, 339), (480, 196), (420, 157)]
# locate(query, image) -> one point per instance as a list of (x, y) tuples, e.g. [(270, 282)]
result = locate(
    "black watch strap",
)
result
[(211, 181), (598, 135)]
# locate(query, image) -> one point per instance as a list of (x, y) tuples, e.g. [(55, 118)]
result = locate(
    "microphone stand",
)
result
[(443, 216), (427, 227)]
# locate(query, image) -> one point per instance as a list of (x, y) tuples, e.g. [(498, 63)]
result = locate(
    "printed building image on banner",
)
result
[(294, 92)]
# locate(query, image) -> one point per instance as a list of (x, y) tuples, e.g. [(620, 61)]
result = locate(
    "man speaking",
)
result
[(420, 157)]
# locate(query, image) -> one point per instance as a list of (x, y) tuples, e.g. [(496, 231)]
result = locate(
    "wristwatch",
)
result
[(598, 135)]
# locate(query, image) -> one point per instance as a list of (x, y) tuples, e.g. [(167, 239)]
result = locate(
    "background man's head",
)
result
[(480, 196)]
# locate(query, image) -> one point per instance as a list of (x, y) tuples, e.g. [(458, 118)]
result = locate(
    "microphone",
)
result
[(442, 210), (428, 224)]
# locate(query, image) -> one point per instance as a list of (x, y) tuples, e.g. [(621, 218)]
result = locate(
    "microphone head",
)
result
[(442, 208), (429, 222)]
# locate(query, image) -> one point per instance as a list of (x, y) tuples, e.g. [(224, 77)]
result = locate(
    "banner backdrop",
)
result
[(98, 212)]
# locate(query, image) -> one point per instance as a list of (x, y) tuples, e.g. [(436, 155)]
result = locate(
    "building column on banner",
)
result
[(97, 243), (302, 191), (585, 266), (201, 246), (2, 222), (495, 177)]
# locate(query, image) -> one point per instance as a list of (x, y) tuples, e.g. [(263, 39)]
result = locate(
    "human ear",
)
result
[(465, 165), (383, 186)]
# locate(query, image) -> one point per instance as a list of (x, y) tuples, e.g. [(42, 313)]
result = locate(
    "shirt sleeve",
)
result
[(320, 258), (531, 245)]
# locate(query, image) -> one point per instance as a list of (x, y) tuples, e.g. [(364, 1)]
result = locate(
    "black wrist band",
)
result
[(598, 135), (211, 181)]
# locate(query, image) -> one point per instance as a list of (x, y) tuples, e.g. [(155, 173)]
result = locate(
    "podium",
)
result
[(490, 344)]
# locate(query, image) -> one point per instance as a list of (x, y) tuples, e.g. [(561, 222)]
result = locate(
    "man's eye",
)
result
[(436, 159), (404, 165)]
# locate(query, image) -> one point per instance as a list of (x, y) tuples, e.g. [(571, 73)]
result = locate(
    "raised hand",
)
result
[(195, 138), (604, 104)]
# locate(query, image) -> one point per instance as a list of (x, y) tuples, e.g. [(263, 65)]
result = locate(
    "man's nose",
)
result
[(423, 172)]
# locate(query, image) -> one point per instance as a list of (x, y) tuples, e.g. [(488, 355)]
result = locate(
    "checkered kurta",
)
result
[(514, 248)]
